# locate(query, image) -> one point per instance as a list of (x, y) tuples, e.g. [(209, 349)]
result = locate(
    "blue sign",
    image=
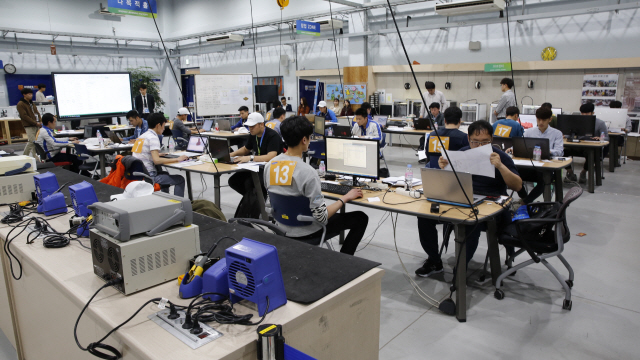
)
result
[(17, 82), (144, 8), (307, 28)]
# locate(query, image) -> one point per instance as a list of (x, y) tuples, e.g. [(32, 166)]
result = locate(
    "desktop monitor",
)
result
[(319, 125), (90, 130), (197, 144), (355, 157), (381, 120), (386, 110), (528, 121), (577, 125), (207, 125), (556, 111), (616, 119)]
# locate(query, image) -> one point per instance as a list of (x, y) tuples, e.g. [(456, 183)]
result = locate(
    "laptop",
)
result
[(311, 117), (381, 120), (224, 125), (207, 125), (195, 148), (219, 149), (422, 124), (441, 186), (502, 143), (342, 131), (523, 147), (345, 120), (114, 137)]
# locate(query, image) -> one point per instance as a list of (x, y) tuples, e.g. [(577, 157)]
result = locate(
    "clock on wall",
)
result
[(549, 53), (10, 69)]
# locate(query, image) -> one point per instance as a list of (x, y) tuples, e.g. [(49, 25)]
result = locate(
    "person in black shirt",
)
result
[(438, 118), (452, 137), (263, 145), (506, 176)]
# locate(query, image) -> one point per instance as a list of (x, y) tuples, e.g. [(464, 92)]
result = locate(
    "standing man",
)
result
[(30, 120), (283, 101), (40, 93), (52, 146), (263, 145), (326, 112), (141, 126), (244, 114), (507, 99), (145, 104), (432, 96), (510, 126)]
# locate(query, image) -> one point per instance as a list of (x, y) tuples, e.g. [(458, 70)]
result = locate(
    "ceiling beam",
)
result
[(346, 2)]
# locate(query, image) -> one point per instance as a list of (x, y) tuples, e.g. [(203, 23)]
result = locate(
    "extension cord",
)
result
[(414, 194), (378, 185)]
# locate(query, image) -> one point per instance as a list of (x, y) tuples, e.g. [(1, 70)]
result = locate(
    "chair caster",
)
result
[(570, 283), (566, 305), (499, 294), (482, 278)]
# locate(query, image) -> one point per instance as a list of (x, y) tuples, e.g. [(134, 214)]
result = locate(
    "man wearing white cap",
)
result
[(178, 124), (263, 145), (327, 113)]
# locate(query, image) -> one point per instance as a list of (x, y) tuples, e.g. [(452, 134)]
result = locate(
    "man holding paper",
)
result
[(505, 176)]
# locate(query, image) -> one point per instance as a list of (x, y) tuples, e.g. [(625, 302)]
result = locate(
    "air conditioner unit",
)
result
[(225, 39), (467, 7), (329, 24)]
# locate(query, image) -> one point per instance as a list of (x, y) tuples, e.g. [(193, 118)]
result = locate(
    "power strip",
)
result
[(174, 327), (414, 194), (378, 185)]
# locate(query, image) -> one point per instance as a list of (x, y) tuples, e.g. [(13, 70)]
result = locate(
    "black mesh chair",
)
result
[(542, 236)]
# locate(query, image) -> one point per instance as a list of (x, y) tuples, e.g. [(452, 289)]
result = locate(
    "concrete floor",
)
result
[(529, 322)]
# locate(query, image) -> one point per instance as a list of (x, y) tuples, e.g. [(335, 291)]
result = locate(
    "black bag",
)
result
[(383, 173), (540, 232)]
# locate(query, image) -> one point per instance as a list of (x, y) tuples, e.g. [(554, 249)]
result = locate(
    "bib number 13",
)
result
[(281, 172)]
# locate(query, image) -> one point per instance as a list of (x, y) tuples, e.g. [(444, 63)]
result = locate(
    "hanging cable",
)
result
[(254, 34), (335, 47), (280, 35), (506, 10)]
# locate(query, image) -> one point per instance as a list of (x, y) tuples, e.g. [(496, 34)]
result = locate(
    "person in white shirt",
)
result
[(432, 96), (40, 93), (336, 106), (149, 153)]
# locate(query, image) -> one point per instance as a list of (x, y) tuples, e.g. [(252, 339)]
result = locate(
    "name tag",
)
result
[(434, 144), (281, 172), (145, 110), (137, 146), (502, 131)]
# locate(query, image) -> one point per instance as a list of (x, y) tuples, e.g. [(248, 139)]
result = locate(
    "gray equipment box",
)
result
[(16, 188), (146, 214), (144, 261)]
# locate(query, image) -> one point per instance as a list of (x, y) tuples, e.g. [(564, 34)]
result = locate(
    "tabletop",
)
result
[(552, 164), (208, 168), (583, 143), (226, 134), (406, 131)]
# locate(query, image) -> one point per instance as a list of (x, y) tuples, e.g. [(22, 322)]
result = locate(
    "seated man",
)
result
[(263, 145), (438, 118), (556, 146), (178, 124), (276, 105), (326, 112), (244, 114), (554, 119), (147, 149), (52, 145), (510, 126), (601, 127), (278, 117), (304, 181), (365, 127), (451, 136), (506, 176), (141, 126)]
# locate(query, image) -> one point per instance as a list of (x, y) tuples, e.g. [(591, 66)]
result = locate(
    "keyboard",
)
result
[(335, 188)]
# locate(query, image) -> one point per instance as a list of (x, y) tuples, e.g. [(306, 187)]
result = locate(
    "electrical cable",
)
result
[(335, 47), (382, 220), (253, 37), (506, 10)]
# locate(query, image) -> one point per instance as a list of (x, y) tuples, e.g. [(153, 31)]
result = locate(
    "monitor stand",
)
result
[(351, 183)]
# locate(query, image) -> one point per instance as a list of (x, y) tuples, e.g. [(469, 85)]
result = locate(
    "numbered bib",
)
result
[(137, 146), (281, 172), (271, 125), (170, 125), (434, 144), (502, 131)]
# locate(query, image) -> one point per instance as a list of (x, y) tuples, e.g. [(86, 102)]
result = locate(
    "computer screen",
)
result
[(348, 156), (380, 119), (578, 125), (616, 119), (197, 144), (90, 130), (556, 111), (528, 121), (219, 149), (319, 125), (266, 93), (386, 110), (207, 125), (92, 95)]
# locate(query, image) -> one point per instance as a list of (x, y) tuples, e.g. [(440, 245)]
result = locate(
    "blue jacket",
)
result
[(330, 115), (139, 130), (237, 125)]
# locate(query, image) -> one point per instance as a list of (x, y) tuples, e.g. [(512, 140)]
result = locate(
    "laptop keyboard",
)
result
[(335, 188)]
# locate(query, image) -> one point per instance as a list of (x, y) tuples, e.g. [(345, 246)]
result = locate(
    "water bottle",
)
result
[(322, 168), (100, 139), (537, 153), (408, 177), (62, 127), (330, 132), (435, 125), (217, 128), (602, 135), (172, 146)]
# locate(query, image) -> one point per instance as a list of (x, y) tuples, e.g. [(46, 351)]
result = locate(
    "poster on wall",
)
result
[(599, 89), (356, 94), (334, 91), (631, 95)]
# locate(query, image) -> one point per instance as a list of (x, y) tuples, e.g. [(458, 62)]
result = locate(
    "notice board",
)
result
[(223, 94)]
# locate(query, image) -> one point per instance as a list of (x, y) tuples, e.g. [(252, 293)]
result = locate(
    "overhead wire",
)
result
[(335, 47)]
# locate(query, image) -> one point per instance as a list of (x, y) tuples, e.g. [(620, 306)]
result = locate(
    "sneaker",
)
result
[(429, 268), (583, 178), (570, 178)]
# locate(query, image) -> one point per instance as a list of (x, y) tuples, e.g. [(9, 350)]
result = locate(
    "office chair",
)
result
[(258, 224), (180, 144), (318, 150), (45, 158), (135, 170), (295, 211), (84, 155), (542, 236)]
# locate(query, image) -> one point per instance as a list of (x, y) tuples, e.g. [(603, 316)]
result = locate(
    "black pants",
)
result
[(242, 183), (534, 176), (75, 162), (355, 221), (421, 146)]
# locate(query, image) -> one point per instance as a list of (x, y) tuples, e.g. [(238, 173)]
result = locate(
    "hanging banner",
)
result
[(599, 89), (144, 8), (315, 96), (307, 28)]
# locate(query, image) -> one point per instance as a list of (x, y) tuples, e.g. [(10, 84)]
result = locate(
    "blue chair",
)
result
[(83, 154), (295, 211), (318, 150)]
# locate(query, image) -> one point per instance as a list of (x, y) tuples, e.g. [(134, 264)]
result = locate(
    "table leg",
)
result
[(103, 171), (591, 174), (546, 177), (341, 238), (189, 190), (461, 273), (256, 184), (494, 251), (7, 132), (216, 189), (613, 149), (559, 185), (597, 155), (624, 148)]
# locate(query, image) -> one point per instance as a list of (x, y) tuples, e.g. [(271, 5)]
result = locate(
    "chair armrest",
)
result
[(533, 221), (314, 220)]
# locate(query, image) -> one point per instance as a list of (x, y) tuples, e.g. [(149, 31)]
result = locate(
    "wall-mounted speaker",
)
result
[(530, 84), (447, 85), (477, 86), (407, 86)]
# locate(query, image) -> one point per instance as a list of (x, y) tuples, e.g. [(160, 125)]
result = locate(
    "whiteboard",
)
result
[(223, 94)]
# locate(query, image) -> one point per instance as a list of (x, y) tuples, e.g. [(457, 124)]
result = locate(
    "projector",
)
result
[(146, 214)]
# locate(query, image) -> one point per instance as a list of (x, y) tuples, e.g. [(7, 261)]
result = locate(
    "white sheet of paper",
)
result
[(374, 199), (188, 163), (251, 167), (528, 162), (2, 152), (422, 155), (474, 161)]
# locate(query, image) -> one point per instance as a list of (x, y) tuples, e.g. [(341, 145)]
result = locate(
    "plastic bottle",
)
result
[(217, 128), (330, 132), (100, 139), (408, 177), (62, 127), (172, 146), (602, 135), (435, 125), (537, 153), (322, 168)]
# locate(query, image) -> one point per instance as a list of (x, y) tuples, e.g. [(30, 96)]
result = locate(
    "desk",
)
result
[(69, 133), (5, 129), (210, 169), (225, 134), (549, 170), (102, 152), (593, 150), (486, 213)]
